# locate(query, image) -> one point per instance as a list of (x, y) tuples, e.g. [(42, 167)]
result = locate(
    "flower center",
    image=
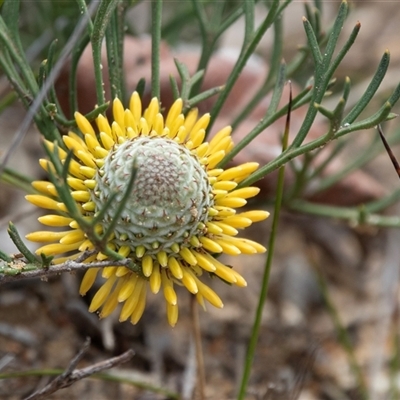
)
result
[(170, 198)]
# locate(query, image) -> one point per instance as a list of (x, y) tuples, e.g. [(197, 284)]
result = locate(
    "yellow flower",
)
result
[(182, 209)]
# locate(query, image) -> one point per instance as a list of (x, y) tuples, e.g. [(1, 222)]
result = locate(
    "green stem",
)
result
[(267, 271), (156, 13), (362, 215), (114, 45), (16, 238), (103, 16), (275, 63)]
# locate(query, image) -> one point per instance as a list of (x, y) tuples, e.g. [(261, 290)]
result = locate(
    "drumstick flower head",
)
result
[(180, 214)]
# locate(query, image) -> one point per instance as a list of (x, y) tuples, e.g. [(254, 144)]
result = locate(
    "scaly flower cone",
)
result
[(181, 211)]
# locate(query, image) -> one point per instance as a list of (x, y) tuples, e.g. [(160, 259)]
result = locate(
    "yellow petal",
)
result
[(103, 125), (210, 295), (155, 279), (173, 113), (89, 206), (158, 124), (45, 187), (239, 171), (138, 311), (187, 255), (144, 127), (162, 258), (130, 123), (112, 301), (223, 145), (73, 237), (233, 202), (210, 245), (86, 158), (106, 140), (55, 220), (204, 262), (197, 139), (81, 195), (88, 280), (175, 268), (207, 292), (202, 123), (46, 236), (121, 271), (133, 300), (176, 125), (225, 185), (237, 221), (190, 119), (224, 211), (51, 146), (128, 287), (172, 314), (151, 111), (108, 272), (213, 228), (147, 265), (168, 288), (255, 215), (245, 245), (202, 150), (139, 251), (222, 270), (227, 229), (57, 248), (76, 184), (118, 132), (244, 193), (189, 281), (101, 295), (135, 105), (87, 172), (42, 201), (214, 159), (228, 248), (240, 281), (219, 136), (91, 143), (87, 245), (83, 124), (118, 113), (124, 251), (247, 169)]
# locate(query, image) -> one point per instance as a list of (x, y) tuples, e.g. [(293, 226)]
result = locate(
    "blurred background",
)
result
[(331, 321)]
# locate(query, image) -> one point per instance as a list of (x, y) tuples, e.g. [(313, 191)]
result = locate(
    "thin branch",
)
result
[(13, 275), (72, 375)]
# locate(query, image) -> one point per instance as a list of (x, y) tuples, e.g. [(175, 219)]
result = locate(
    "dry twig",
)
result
[(72, 375), (68, 266)]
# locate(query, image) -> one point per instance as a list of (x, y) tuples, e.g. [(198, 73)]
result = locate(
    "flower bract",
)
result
[(180, 215)]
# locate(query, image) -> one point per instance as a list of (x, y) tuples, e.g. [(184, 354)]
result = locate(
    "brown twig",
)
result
[(199, 348), (68, 266), (72, 375)]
